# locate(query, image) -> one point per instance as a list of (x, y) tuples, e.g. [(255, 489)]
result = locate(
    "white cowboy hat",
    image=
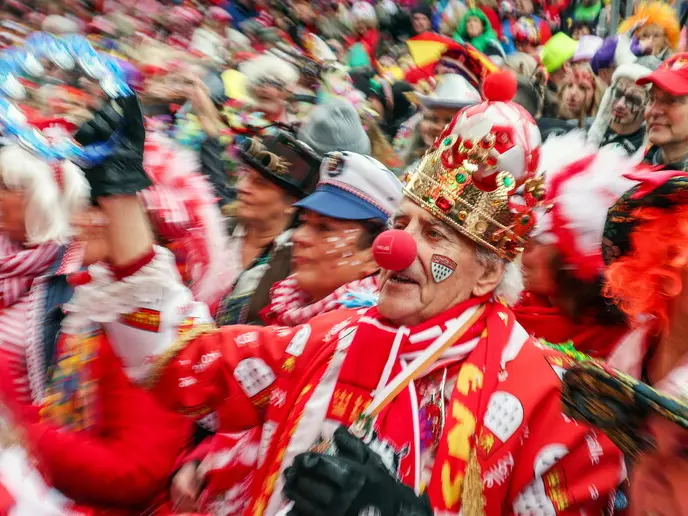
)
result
[(452, 92)]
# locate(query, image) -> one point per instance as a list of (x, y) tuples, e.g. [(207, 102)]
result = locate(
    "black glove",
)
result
[(346, 484), (122, 173)]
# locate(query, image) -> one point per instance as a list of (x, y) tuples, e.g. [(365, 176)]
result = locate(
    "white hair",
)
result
[(511, 284), (269, 67), (49, 207)]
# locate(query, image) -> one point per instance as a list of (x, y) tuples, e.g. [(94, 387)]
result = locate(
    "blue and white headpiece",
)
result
[(72, 53)]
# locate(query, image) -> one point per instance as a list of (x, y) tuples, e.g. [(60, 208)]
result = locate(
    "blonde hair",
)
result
[(49, 207), (380, 148)]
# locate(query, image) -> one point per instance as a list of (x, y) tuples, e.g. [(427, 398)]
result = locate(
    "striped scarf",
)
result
[(19, 268), (291, 306)]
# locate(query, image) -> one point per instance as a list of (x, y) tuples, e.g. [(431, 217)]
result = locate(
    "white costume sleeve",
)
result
[(143, 315)]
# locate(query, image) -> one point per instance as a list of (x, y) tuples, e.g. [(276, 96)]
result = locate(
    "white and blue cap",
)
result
[(354, 187)]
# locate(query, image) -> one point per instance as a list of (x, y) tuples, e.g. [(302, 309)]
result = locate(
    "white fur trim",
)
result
[(156, 287)]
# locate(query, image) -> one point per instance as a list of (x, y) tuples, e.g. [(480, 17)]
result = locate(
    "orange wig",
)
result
[(659, 13), (646, 281)]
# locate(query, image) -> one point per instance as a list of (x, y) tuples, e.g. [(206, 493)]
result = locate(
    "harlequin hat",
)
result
[(619, 404), (664, 189), (466, 61), (282, 159), (469, 178)]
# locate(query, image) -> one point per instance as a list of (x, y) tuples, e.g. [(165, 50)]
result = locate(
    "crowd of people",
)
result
[(356, 258)]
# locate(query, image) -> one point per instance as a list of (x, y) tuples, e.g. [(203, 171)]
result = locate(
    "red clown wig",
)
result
[(646, 281)]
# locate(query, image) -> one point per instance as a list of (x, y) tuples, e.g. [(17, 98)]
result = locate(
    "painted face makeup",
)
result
[(628, 105), (343, 247), (442, 267)]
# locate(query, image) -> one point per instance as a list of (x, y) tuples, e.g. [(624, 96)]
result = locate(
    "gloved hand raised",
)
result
[(348, 483), (122, 173)]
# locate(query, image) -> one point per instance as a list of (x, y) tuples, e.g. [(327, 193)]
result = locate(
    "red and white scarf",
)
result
[(479, 351), (291, 306), (19, 268)]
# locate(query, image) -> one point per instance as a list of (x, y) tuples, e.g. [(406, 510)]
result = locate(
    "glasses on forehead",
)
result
[(632, 100)]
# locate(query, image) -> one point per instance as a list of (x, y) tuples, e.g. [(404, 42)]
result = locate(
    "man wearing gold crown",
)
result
[(451, 407)]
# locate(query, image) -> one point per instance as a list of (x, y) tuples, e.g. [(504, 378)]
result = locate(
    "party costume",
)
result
[(577, 172), (100, 439), (303, 382), (351, 187)]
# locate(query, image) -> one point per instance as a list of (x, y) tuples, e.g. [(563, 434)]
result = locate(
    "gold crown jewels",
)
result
[(460, 182)]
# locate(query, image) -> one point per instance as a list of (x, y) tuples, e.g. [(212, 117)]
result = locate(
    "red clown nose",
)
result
[(394, 250)]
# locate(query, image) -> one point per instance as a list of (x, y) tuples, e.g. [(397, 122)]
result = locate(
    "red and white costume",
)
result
[(298, 384), (301, 382), (100, 439), (577, 174)]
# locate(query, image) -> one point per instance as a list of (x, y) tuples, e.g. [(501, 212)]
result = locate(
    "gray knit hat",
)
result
[(334, 126)]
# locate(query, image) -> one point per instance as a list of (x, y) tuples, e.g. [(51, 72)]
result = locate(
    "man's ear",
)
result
[(489, 279)]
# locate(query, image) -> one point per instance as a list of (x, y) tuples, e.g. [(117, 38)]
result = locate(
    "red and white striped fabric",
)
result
[(265, 18), (184, 211), (19, 268), (291, 306)]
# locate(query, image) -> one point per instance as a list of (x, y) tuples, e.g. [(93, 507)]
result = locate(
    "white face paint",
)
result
[(341, 245)]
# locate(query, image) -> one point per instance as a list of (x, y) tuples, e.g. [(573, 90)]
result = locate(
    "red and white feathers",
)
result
[(582, 183), (184, 210)]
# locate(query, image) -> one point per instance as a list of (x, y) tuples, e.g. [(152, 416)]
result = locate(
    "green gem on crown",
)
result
[(508, 181), (447, 140), (460, 178)]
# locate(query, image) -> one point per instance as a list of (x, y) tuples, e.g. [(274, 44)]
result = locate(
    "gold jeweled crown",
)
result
[(480, 175)]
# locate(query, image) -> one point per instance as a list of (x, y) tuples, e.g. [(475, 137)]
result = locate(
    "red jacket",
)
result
[(257, 376), (124, 462)]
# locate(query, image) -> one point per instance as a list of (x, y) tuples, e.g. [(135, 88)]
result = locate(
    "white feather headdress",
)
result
[(582, 183)]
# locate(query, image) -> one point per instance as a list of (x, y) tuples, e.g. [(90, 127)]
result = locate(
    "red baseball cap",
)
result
[(671, 76)]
